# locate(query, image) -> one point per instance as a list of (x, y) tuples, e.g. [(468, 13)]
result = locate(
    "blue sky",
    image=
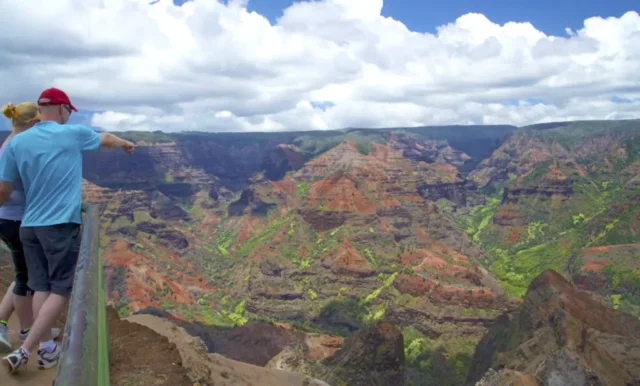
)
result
[(549, 16)]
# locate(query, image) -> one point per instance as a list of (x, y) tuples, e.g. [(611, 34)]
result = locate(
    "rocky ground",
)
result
[(214, 369), (560, 336)]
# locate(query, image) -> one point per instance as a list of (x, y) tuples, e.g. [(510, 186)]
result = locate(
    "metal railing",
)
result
[(85, 346)]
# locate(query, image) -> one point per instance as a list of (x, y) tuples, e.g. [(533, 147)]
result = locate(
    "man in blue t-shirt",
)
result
[(48, 160)]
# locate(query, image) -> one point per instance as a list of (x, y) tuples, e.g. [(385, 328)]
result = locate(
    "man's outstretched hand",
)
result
[(111, 141), (128, 147)]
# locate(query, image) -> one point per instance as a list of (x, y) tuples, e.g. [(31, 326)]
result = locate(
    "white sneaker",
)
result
[(55, 332), (46, 359), (16, 360), (5, 343)]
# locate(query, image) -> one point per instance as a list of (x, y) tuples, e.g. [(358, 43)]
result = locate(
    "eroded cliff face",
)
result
[(554, 192), (562, 336), (329, 233), (359, 233)]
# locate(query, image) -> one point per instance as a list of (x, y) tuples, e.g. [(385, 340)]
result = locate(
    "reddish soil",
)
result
[(444, 250), (415, 285), (247, 226), (339, 192), (347, 261), (605, 248), (582, 170), (385, 226), (295, 159), (595, 266), (508, 215), (412, 198), (514, 236), (446, 294), (143, 280), (285, 186), (209, 223), (554, 174), (597, 258), (281, 235), (447, 170), (425, 258), (422, 235), (322, 346), (388, 202), (357, 182), (382, 152)]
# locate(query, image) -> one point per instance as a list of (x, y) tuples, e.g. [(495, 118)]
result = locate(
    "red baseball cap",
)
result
[(54, 96)]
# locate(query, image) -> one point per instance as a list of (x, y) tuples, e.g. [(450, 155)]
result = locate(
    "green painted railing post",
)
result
[(85, 346), (103, 331)]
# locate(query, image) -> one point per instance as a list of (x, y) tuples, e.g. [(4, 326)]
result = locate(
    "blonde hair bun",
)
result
[(22, 115), (9, 110)]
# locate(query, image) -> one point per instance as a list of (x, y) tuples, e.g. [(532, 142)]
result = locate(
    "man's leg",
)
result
[(61, 245)]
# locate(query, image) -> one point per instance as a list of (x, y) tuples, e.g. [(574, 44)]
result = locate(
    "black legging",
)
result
[(10, 234)]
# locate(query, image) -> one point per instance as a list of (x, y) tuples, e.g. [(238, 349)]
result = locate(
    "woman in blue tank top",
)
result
[(19, 295)]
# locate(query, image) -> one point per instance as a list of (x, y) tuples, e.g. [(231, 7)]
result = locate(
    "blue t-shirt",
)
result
[(13, 209), (48, 159)]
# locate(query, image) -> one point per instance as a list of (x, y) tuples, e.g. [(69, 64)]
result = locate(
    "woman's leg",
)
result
[(23, 296), (6, 306), (10, 234)]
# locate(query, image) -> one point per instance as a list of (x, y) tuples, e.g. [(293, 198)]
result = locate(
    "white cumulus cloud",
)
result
[(324, 64)]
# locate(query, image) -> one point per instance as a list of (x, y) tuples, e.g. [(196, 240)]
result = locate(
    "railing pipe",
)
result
[(85, 355)]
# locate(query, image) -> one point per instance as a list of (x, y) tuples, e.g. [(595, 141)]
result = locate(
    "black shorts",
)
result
[(51, 253), (10, 234)]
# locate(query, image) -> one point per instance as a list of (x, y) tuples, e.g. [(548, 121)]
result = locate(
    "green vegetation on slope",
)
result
[(534, 232), (517, 271), (553, 232), (444, 361)]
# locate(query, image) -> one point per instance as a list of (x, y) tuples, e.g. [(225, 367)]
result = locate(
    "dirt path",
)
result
[(32, 376)]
